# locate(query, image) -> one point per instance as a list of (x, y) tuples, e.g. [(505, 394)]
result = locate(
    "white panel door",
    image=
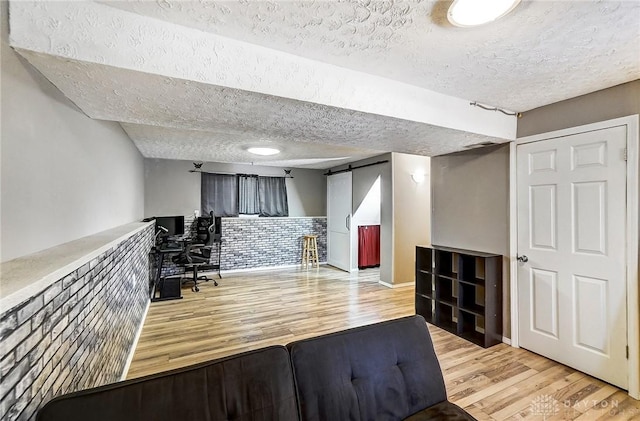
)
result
[(339, 220), (571, 232)]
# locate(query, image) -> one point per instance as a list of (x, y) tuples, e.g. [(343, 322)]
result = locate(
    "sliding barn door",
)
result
[(339, 220)]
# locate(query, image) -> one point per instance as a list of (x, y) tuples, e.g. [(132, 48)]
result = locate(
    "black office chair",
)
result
[(198, 253)]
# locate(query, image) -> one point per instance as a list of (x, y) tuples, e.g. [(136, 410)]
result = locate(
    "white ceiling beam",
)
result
[(98, 33)]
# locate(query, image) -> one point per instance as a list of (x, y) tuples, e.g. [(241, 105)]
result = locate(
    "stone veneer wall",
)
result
[(168, 267), (78, 332), (261, 242), (264, 242)]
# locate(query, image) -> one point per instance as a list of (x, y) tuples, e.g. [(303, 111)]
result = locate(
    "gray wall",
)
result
[(470, 200), (470, 206), (170, 189), (64, 175), (618, 101)]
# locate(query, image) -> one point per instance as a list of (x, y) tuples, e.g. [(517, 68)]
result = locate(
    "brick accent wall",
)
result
[(260, 242), (264, 242), (168, 267), (78, 332)]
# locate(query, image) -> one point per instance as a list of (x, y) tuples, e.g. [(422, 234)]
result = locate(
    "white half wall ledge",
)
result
[(100, 34)]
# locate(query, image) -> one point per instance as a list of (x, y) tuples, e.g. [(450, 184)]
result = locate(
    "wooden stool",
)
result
[(310, 251)]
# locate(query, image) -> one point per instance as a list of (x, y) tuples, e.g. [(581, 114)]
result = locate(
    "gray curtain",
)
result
[(248, 200), (273, 196), (219, 193)]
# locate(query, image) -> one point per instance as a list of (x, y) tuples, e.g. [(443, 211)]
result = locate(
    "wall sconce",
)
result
[(418, 177)]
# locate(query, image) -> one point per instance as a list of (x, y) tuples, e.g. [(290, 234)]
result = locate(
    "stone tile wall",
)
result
[(168, 267), (263, 242), (77, 333), (260, 242)]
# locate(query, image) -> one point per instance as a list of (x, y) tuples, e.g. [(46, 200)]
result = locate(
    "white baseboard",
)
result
[(256, 269), (404, 284), (134, 345), (506, 340)]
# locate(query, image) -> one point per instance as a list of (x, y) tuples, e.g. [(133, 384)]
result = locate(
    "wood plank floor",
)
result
[(256, 309)]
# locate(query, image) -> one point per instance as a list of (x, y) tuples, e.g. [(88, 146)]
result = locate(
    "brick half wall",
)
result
[(77, 333), (269, 242), (257, 243)]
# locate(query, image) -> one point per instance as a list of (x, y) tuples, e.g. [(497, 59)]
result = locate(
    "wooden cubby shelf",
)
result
[(461, 291)]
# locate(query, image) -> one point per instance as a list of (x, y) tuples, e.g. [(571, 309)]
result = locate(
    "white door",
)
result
[(571, 228), (339, 220)]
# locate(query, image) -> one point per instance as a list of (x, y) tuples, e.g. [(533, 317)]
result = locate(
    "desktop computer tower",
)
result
[(170, 288)]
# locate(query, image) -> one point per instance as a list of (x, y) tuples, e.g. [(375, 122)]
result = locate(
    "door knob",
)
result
[(523, 259)]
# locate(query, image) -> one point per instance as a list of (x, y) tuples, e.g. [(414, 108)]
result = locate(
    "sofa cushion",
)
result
[(442, 411), (385, 371), (256, 385)]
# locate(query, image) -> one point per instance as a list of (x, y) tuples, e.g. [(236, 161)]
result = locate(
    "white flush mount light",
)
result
[(466, 13), (263, 151)]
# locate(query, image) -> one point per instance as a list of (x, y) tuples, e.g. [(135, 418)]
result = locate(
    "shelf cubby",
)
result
[(444, 263), (461, 291), (424, 307)]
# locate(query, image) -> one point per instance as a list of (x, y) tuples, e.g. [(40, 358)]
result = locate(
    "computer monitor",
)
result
[(174, 224)]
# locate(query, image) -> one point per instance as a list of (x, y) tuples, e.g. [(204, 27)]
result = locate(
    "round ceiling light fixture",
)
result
[(467, 13), (263, 151)]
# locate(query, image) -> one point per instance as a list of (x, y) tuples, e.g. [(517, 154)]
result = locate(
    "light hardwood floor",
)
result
[(256, 309)]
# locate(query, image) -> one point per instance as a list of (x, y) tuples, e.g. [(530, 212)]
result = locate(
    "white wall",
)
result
[(64, 175), (411, 216), (362, 180), (170, 189), (368, 213), (405, 220)]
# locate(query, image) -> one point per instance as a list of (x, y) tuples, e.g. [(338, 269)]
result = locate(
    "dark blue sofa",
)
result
[(384, 371)]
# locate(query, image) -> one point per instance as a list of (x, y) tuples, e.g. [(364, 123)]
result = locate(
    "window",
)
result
[(248, 198), (273, 196), (232, 195), (219, 193)]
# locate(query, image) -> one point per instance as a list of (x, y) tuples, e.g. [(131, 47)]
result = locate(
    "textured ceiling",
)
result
[(544, 52), (325, 81), (230, 146), (222, 121)]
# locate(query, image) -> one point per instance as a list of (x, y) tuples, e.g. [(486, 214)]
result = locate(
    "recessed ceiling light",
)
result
[(467, 13), (263, 151)]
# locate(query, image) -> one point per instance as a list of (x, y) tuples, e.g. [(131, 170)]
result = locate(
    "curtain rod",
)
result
[(223, 173), (240, 174), (197, 167), (350, 168)]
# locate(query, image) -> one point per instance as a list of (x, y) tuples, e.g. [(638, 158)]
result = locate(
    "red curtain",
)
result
[(368, 246)]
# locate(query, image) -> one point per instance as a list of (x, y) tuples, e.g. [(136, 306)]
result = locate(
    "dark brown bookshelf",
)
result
[(461, 291)]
